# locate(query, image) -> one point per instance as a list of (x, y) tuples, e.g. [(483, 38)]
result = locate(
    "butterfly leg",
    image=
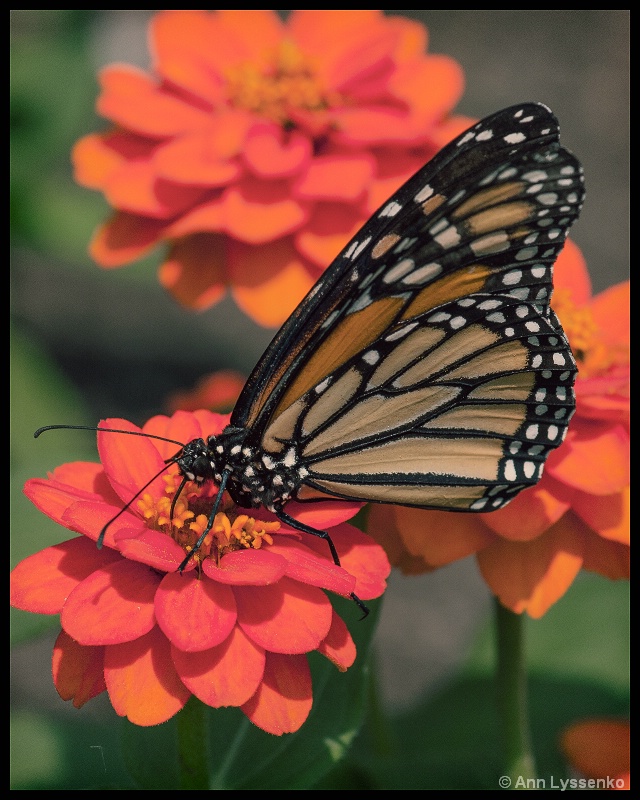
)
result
[(210, 521), (300, 526)]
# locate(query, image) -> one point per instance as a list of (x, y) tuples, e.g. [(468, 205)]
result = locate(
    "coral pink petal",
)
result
[(608, 515), (610, 559), (194, 159), (304, 565), (54, 498), (135, 101), (114, 604), (195, 271), (195, 614), (142, 681), (338, 178), (271, 153), (181, 45), (90, 518), (338, 646), (611, 311), (137, 188), (570, 272), (78, 671), (247, 568), (593, 459), (130, 460), (150, 547), (257, 212), (269, 281), (532, 576), (83, 476), (253, 31), (362, 558), (42, 582), (532, 511), (325, 514), (331, 226), (225, 675), (287, 617), (284, 698), (125, 237)]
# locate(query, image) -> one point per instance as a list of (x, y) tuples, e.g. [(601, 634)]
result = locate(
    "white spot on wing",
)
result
[(391, 209)]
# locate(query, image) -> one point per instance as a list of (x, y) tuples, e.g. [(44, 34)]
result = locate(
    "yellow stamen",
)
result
[(286, 81), (230, 531)]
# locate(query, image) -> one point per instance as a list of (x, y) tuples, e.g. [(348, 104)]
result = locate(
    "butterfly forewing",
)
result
[(416, 370)]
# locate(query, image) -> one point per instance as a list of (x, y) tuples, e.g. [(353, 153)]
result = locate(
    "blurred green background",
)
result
[(87, 343)]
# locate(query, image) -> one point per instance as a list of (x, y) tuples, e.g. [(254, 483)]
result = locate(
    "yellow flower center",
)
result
[(285, 82), (230, 530), (594, 357)]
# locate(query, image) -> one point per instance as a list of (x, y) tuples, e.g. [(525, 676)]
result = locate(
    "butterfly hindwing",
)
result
[(457, 408)]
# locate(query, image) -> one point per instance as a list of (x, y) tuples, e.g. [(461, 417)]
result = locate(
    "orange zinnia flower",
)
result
[(257, 148), (217, 391), (577, 516), (599, 749), (233, 629)]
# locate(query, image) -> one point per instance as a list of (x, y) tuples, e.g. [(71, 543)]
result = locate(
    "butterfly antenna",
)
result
[(168, 463), (106, 430)]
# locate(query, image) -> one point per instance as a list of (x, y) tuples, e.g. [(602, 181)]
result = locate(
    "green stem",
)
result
[(381, 738), (512, 697), (192, 746)]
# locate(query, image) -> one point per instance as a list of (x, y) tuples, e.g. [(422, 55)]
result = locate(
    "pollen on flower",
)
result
[(227, 535), (158, 514), (286, 81), (593, 356)]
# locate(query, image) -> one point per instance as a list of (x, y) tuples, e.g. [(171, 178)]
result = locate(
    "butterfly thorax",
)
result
[(255, 478)]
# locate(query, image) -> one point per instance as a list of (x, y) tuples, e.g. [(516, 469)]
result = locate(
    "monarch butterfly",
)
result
[(425, 367)]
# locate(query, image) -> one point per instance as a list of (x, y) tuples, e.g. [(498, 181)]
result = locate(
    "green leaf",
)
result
[(246, 757), (579, 667)]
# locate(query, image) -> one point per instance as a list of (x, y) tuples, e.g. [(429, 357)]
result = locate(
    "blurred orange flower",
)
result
[(233, 629), (600, 749), (530, 551), (257, 147), (217, 391)]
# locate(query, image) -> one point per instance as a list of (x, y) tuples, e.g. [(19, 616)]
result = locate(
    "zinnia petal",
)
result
[(133, 100), (142, 681), (78, 671), (249, 126), (287, 617), (593, 459), (608, 515), (267, 283), (194, 614), (284, 699), (124, 238), (42, 582), (598, 748), (605, 557), (532, 511), (226, 675), (338, 645), (531, 576), (114, 604)]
